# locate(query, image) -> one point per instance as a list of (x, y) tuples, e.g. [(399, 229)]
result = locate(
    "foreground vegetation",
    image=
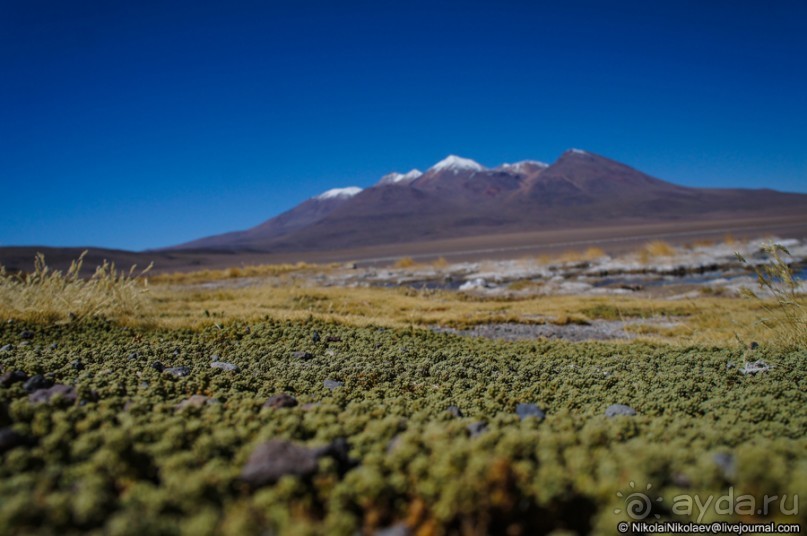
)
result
[(131, 412), (126, 457)]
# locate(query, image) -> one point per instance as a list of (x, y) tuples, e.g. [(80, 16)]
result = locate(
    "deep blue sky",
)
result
[(143, 124)]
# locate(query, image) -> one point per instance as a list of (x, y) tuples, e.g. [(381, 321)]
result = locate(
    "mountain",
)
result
[(458, 197), (306, 213)]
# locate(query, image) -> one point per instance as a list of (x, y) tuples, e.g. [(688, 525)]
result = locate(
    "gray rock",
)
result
[(755, 367), (282, 400), (305, 356), (477, 428), (315, 337), (7, 348), (26, 335), (10, 439), (196, 401), (223, 365), (529, 410), (727, 464), (277, 458), (77, 365), (179, 372), (454, 411), (399, 529), (619, 409), (35, 383), (159, 367), (332, 384), (12, 377), (45, 396)]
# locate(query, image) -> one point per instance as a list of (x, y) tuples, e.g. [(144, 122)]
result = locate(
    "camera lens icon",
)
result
[(638, 503)]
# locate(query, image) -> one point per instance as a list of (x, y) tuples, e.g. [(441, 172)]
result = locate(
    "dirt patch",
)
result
[(596, 330)]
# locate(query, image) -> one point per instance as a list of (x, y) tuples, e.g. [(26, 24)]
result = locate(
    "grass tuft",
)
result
[(787, 315), (49, 295)]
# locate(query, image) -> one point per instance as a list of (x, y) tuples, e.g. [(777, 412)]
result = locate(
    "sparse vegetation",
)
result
[(787, 315), (404, 262), (656, 249), (48, 295)]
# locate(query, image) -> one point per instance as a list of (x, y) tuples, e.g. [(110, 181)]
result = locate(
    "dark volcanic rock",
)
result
[(10, 378), (476, 428), (35, 383), (10, 439), (159, 367), (277, 458), (179, 372), (315, 337), (454, 411), (619, 409), (529, 410), (302, 355), (282, 400), (44, 396), (77, 365), (26, 335)]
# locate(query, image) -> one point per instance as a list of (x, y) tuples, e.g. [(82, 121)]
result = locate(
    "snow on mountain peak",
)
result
[(350, 191), (396, 178), (577, 151), (457, 163), (520, 166)]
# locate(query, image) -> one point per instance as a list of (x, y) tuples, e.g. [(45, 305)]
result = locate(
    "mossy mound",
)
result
[(128, 457)]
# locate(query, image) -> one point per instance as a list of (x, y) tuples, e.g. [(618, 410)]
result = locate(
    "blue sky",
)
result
[(143, 124)]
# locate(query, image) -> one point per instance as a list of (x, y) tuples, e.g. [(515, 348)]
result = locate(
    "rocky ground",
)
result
[(684, 272)]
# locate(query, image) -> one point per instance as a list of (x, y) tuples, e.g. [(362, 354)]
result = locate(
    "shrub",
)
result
[(787, 314), (404, 262), (47, 294)]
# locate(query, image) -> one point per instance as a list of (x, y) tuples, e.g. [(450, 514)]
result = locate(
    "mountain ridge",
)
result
[(459, 197)]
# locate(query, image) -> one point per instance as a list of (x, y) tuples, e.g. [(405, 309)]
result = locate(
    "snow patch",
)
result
[(577, 151), (395, 178), (457, 163), (520, 166), (335, 193)]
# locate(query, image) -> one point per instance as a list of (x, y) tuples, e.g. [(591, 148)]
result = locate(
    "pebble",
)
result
[(332, 384), (755, 367), (179, 372), (282, 400), (302, 355), (10, 439), (223, 365), (196, 401), (454, 411), (399, 529), (529, 410), (277, 458), (726, 463), (619, 409), (42, 396), (35, 383), (10, 378), (477, 428)]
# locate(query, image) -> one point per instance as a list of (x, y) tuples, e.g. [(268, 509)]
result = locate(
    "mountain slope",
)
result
[(458, 197)]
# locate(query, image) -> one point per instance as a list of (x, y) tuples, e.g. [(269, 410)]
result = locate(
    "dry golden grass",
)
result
[(260, 270), (440, 263), (404, 262), (51, 295)]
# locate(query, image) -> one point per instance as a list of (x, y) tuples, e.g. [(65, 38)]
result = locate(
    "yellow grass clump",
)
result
[(404, 262), (47, 294)]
